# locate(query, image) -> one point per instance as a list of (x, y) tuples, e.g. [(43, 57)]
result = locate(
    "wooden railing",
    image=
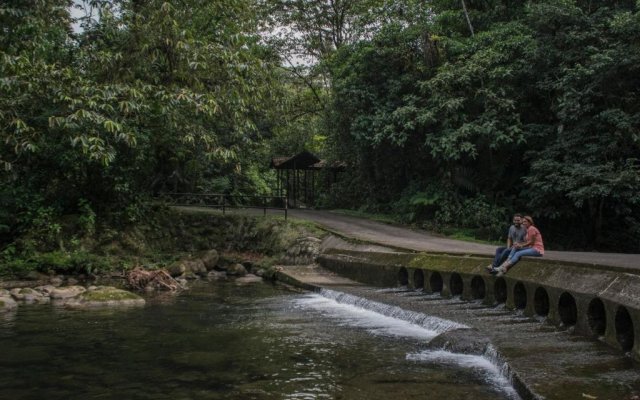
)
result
[(225, 201)]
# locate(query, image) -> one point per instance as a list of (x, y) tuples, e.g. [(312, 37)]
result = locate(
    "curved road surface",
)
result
[(405, 238), (417, 240)]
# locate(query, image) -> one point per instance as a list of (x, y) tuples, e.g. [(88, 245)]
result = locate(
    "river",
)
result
[(226, 341)]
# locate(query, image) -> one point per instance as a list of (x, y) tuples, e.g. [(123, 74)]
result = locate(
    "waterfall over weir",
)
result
[(430, 323), (489, 365), (388, 320)]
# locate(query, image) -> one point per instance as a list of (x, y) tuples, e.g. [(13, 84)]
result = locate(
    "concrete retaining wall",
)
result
[(587, 301)]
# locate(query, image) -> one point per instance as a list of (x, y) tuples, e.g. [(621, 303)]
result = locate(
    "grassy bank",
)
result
[(164, 237)]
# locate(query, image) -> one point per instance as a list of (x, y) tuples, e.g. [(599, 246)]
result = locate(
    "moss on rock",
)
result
[(108, 294), (104, 296)]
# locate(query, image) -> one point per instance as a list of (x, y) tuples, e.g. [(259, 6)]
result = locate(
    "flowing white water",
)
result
[(432, 324), (356, 316), (383, 319), (488, 365)]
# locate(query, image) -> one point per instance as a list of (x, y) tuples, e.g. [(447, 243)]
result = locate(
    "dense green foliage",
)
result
[(537, 111), (163, 238), (448, 113), (148, 96)]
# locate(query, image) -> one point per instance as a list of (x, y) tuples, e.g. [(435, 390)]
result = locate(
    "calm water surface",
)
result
[(224, 341)]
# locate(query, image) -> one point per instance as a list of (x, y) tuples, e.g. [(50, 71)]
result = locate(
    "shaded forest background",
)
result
[(447, 113)]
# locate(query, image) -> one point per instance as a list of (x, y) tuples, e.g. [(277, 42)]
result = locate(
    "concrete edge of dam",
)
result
[(308, 279), (592, 302)]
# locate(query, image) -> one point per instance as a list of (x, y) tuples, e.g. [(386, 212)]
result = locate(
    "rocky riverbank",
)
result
[(85, 292), (69, 296)]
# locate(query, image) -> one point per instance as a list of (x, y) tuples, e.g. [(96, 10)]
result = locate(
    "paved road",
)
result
[(405, 238), (416, 240)]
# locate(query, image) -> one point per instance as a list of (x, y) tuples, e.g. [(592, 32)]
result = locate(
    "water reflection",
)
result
[(223, 341)]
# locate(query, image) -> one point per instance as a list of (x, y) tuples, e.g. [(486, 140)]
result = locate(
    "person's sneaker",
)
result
[(501, 271), (490, 268)]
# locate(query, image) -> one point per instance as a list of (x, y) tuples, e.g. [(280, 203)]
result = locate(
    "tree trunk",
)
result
[(466, 14), (596, 207)]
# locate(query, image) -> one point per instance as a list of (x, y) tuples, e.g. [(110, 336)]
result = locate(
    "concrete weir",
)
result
[(560, 331), (589, 301)]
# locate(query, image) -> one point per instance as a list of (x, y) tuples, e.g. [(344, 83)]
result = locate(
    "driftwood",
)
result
[(142, 279)]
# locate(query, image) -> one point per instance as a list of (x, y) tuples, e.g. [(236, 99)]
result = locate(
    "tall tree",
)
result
[(589, 167), (149, 94)]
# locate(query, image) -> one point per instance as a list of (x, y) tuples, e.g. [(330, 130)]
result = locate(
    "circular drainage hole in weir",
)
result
[(500, 290), (435, 281), (567, 309), (477, 288), (541, 302), (403, 277), (597, 317), (624, 329), (520, 296)]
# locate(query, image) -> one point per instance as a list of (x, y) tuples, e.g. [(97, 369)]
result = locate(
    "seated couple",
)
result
[(524, 239)]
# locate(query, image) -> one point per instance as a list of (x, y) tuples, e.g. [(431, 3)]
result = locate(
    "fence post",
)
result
[(286, 207), (207, 200)]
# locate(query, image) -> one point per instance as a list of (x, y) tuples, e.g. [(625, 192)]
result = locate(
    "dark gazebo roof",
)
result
[(299, 186), (303, 160), (332, 166)]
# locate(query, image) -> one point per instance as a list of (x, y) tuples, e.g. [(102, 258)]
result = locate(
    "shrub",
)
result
[(476, 213)]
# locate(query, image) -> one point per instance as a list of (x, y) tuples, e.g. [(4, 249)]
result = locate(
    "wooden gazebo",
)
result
[(296, 176)]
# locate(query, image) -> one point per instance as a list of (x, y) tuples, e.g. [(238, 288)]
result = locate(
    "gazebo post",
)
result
[(288, 185), (327, 178), (295, 185), (304, 182), (313, 187)]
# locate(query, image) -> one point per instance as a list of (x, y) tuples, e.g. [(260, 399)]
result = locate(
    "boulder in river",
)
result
[(216, 275), (56, 280), (105, 296), (30, 296), (187, 268), (236, 270), (249, 278), (176, 269), (45, 289), (196, 266), (210, 259), (7, 303), (66, 292)]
